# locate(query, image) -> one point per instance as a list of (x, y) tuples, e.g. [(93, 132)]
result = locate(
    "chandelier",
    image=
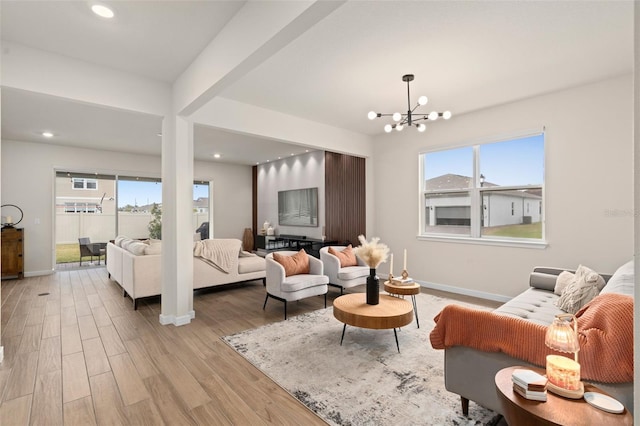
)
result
[(411, 118)]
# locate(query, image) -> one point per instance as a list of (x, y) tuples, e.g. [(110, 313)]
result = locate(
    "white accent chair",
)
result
[(294, 287), (349, 276)]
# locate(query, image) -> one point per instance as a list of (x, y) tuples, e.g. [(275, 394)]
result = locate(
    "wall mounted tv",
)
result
[(298, 207)]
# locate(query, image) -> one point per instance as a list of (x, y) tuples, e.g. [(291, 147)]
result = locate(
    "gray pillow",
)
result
[(622, 281)]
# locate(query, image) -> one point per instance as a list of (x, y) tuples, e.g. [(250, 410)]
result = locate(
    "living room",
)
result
[(578, 91)]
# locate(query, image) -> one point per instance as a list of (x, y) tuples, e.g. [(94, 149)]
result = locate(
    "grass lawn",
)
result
[(531, 230), (67, 253)]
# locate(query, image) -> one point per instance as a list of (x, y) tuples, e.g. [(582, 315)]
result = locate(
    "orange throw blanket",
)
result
[(605, 332)]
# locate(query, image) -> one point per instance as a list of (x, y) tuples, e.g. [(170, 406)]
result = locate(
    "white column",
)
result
[(177, 235)]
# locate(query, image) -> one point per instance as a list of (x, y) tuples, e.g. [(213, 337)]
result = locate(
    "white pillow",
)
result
[(126, 242), (622, 281), (137, 247), (564, 279), (585, 286), (590, 276), (118, 240)]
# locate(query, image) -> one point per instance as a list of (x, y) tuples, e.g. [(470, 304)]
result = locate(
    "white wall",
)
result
[(588, 188), (28, 180), (301, 171)]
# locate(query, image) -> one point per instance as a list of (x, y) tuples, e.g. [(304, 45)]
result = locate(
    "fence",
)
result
[(101, 227)]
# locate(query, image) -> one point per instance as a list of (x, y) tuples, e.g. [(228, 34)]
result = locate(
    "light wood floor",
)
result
[(80, 355)]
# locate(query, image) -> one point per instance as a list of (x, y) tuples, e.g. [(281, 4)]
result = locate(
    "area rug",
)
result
[(365, 381)]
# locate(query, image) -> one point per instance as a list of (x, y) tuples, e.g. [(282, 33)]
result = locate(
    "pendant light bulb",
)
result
[(372, 115), (399, 127), (397, 116), (446, 115), (422, 100), (388, 128), (422, 127), (433, 116)]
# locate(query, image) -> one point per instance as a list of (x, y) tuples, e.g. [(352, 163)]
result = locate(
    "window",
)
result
[(491, 190), (84, 183), (80, 207), (202, 219)]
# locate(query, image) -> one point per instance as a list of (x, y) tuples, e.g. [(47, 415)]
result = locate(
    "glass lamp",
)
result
[(563, 373)]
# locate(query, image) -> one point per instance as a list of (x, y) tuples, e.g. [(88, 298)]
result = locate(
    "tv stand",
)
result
[(270, 243)]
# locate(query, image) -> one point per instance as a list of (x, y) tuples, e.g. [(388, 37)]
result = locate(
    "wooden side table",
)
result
[(405, 290), (12, 252), (390, 312), (519, 411)]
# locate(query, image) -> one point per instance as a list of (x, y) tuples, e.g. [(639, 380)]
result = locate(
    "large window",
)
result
[(491, 190)]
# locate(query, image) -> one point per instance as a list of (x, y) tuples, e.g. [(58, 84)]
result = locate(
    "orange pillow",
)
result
[(293, 265), (346, 256)]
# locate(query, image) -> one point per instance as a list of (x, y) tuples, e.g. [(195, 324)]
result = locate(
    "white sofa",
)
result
[(135, 266)]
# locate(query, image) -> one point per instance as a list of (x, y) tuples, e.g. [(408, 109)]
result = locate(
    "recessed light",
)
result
[(306, 150), (159, 135), (102, 11), (216, 156), (47, 134)]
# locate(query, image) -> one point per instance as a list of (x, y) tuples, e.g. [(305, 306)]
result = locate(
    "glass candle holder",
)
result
[(563, 372)]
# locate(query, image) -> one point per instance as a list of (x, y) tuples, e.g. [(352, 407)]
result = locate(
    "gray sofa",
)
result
[(470, 373)]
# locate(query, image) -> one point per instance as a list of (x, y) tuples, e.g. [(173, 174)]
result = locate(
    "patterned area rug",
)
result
[(365, 381)]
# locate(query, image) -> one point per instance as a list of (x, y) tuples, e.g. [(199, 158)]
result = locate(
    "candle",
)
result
[(405, 260), (9, 219), (563, 372), (391, 265)]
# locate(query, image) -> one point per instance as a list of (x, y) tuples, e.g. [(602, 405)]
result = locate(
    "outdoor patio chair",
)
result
[(90, 249)]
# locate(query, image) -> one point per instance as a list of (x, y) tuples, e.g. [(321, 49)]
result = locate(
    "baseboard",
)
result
[(1, 354), (465, 291), (177, 320), (39, 273)]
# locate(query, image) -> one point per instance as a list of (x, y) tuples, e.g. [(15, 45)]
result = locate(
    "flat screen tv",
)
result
[(298, 207)]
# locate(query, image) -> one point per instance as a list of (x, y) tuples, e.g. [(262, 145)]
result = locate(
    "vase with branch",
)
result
[(373, 253)]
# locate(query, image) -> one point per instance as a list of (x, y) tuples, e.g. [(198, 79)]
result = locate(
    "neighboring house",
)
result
[(85, 195), (509, 207), (201, 205)]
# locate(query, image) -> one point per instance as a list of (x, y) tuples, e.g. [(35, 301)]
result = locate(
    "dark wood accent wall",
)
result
[(345, 197), (254, 202)]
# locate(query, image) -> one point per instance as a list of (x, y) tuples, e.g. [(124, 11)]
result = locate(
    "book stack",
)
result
[(529, 384), (402, 281)]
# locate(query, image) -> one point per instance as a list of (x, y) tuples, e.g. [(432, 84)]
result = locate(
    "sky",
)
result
[(513, 162), (143, 193)]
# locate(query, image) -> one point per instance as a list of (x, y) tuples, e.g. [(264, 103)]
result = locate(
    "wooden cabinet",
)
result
[(12, 256)]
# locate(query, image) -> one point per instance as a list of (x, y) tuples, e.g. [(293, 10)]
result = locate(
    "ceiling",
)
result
[(465, 56)]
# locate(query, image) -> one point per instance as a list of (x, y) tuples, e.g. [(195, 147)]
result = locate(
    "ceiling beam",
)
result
[(247, 119), (38, 71), (254, 34)]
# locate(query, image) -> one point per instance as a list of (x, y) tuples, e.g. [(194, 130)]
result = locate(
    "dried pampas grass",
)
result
[(372, 252)]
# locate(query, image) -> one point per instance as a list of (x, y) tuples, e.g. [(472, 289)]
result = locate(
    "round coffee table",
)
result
[(390, 312), (405, 290), (556, 410)]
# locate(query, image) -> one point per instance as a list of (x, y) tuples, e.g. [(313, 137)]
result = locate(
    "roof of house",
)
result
[(453, 181)]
